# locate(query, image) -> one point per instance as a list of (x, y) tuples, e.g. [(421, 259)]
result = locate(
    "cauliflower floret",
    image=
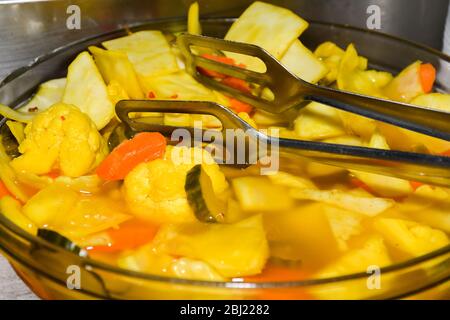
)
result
[(155, 190), (61, 138)]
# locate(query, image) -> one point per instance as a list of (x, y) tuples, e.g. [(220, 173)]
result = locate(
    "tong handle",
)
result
[(425, 168), (427, 121), (407, 165), (290, 91)]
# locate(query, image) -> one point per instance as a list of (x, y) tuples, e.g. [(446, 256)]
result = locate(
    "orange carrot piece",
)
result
[(415, 184), (143, 147), (237, 84), (211, 73), (239, 106), (129, 235), (53, 174), (3, 190), (221, 59), (446, 153), (427, 76), (151, 95)]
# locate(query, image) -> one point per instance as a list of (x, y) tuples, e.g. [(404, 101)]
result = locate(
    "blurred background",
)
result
[(33, 27)]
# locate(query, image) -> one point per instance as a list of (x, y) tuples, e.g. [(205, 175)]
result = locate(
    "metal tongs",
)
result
[(424, 168), (290, 91)]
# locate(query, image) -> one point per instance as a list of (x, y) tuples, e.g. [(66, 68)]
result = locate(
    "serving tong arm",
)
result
[(419, 167), (290, 91)]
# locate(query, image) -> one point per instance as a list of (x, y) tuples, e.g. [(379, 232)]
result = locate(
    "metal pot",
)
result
[(30, 28)]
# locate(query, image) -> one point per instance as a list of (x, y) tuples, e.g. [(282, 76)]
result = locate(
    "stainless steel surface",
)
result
[(446, 46), (31, 28), (412, 166), (11, 286), (290, 91)]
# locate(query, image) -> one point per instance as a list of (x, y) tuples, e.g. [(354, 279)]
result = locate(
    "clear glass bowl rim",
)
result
[(86, 261)]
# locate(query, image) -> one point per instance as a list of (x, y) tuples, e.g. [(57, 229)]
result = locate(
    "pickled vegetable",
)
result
[(234, 250), (200, 194), (86, 90), (61, 138), (253, 27)]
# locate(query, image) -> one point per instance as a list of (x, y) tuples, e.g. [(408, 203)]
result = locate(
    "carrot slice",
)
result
[(212, 73), (221, 59), (233, 82), (446, 153), (143, 147), (239, 106), (427, 76), (237, 84), (3, 190), (129, 235)]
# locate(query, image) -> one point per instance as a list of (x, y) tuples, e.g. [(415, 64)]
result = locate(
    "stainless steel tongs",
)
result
[(290, 91), (425, 168)]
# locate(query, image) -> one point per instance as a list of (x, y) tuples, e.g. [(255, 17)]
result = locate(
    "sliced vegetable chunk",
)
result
[(383, 185), (86, 90), (234, 250), (148, 51), (115, 66), (407, 84), (146, 260), (12, 210), (206, 205), (372, 252), (318, 121), (49, 93), (301, 61), (370, 206), (257, 23), (409, 237), (351, 77), (194, 26), (438, 101), (71, 214), (259, 194), (302, 234)]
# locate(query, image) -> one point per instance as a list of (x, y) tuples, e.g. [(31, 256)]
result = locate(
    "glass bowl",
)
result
[(53, 273)]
